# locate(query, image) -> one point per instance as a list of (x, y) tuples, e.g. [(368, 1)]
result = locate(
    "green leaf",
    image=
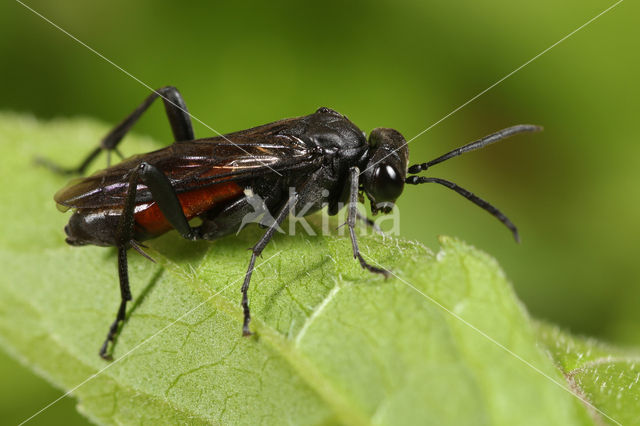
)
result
[(333, 343), (607, 377)]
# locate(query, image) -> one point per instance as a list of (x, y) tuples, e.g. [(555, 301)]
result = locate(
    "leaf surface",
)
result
[(333, 344)]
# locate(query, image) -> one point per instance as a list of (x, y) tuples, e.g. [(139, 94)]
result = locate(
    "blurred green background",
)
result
[(402, 64)]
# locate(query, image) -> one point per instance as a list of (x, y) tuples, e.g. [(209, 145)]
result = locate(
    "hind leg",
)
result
[(177, 114)]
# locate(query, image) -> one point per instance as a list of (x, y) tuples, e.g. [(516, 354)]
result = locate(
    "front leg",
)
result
[(352, 215), (255, 252)]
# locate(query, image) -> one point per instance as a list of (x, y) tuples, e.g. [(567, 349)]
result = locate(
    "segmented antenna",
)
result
[(480, 143), (417, 180)]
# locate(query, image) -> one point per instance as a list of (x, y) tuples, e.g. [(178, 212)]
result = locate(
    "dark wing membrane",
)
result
[(194, 164)]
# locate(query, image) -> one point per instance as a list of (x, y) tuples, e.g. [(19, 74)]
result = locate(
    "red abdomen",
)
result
[(150, 221)]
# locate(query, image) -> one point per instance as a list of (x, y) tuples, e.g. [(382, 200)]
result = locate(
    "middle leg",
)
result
[(255, 252)]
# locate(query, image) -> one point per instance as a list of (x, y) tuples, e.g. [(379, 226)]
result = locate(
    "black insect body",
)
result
[(289, 164)]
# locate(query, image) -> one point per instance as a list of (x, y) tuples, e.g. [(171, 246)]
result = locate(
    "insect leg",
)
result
[(176, 113), (255, 252), (352, 215), (125, 294), (162, 193), (370, 223)]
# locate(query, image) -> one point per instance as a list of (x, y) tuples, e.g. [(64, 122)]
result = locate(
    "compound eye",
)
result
[(387, 183)]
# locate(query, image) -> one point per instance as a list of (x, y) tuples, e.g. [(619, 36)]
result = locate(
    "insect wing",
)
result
[(193, 164)]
